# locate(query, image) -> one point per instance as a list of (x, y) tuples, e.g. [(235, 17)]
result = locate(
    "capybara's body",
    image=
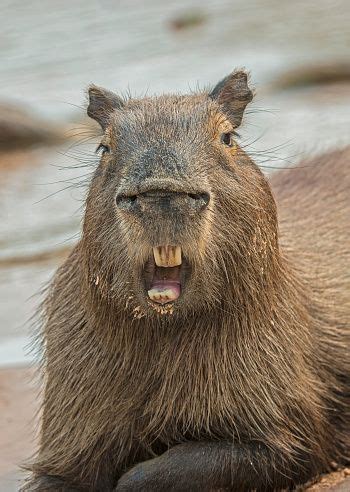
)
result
[(225, 365)]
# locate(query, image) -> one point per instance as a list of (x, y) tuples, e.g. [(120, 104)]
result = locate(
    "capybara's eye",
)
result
[(227, 139), (103, 149)]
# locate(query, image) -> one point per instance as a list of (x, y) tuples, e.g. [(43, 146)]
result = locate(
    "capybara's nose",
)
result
[(163, 201)]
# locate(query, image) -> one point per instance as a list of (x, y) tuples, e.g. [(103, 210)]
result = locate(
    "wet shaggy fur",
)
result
[(245, 382)]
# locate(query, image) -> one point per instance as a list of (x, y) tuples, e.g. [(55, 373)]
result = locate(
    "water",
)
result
[(51, 53)]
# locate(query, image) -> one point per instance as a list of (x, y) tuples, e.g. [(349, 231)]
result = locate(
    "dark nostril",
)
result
[(200, 200), (125, 201), (193, 196)]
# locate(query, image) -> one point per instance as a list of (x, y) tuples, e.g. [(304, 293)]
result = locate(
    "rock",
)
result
[(20, 129), (314, 75), (188, 20)]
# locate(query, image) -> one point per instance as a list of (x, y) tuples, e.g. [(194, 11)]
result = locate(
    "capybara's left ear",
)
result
[(102, 103), (233, 94)]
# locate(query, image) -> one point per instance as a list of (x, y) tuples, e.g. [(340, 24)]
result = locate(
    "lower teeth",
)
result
[(165, 294)]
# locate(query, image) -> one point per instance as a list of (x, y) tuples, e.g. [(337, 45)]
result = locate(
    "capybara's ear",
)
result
[(102, 103), (233, 94)]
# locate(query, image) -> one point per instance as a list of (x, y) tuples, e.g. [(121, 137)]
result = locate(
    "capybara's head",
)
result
[(177, 213)]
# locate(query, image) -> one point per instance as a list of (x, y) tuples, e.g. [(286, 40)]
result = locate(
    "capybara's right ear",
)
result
[(233, 94), (102, 103)]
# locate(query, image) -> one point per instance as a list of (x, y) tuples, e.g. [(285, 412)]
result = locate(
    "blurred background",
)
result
[(298, 54)]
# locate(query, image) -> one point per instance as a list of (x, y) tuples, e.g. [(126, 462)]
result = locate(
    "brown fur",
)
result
[(257, 348)]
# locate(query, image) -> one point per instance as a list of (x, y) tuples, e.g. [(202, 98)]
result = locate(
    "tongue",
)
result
[(163, 291)]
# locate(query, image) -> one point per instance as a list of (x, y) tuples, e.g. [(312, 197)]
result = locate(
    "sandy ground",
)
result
[(18, 407), (338, 481), (17, 424)]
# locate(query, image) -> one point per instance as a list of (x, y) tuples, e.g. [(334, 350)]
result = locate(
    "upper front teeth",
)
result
[(167, 256)]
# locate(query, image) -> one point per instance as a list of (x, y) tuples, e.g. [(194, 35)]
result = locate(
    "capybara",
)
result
[(195, 339)]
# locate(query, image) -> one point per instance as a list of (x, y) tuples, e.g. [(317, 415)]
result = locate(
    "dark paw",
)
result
[(167, 473), (142, 477)]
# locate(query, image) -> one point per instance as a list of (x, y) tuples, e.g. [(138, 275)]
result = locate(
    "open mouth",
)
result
[(164, 274)]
